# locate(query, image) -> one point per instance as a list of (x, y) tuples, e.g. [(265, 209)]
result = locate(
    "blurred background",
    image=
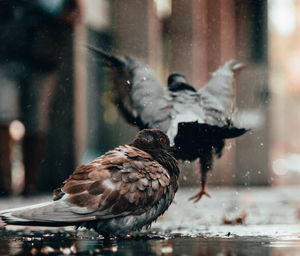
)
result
[(55, 107)]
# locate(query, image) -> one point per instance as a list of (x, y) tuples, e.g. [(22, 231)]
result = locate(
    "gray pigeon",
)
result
[(123, 190), (196, 121)]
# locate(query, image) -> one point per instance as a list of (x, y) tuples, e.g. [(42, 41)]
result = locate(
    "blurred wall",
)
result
[(284, 52), (253, 97)]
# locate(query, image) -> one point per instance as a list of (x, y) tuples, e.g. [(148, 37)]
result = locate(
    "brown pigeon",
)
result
[(119, 192), (196, 121)]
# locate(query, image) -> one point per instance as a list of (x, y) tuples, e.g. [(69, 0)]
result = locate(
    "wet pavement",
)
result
[(267, 223)]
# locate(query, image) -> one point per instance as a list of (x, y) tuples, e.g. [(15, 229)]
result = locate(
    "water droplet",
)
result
[(229, 146)]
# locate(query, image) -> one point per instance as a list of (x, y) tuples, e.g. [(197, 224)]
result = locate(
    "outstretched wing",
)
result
[(218, 95), (122, 84), (122, 182), (138, 93), (211, 106)]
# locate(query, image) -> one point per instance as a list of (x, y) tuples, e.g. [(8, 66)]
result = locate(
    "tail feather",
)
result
[(15, 216), (210, 132), (193, 139), (56, 213)]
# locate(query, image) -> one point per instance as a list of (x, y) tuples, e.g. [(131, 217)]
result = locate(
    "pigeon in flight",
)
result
[(196, 121), (121, 191)]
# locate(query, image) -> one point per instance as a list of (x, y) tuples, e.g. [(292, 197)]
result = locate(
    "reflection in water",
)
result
[(4, 246), (70, 243)]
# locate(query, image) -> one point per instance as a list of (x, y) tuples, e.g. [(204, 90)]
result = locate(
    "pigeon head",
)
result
[(151, 140), (178, 82)]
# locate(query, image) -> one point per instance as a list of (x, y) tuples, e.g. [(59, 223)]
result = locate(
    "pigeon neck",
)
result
[(161, 156), (168, 162)]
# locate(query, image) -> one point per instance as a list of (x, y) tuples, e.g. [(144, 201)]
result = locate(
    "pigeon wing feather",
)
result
[(121, 81), (141, 98), (218, 95), (125, 181)]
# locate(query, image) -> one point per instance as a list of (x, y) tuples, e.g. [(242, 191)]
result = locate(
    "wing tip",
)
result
[(226, 132), (106, 58), (9, 219), (234, 132), (235, 65)]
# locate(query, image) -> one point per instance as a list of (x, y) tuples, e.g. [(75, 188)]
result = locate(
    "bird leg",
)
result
[(202, 192), (206, 165)]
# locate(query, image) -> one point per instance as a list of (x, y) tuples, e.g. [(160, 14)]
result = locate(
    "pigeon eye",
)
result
[(162, 140)]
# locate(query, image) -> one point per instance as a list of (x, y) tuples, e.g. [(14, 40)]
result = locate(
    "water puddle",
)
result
[(214, 241), (228, 224)]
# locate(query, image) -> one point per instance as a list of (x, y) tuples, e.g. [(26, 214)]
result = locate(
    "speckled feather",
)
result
[(122, 175), (123, 190)]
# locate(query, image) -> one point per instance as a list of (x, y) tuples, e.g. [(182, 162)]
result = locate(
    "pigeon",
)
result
[(197, 122), (119, 192)]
